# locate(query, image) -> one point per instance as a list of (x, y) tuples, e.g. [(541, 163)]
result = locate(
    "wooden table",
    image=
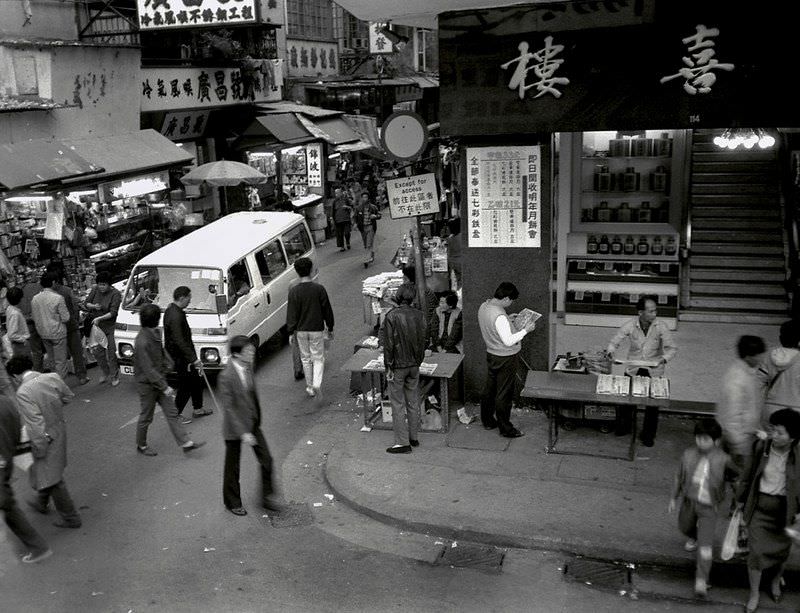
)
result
[(446, 366), (554, 387)]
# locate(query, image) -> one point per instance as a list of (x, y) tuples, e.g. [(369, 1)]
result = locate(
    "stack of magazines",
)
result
[(617, 385), (659, 387), (641, 387)]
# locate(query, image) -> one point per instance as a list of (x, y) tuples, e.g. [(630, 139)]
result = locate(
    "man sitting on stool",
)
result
[(650, 339)]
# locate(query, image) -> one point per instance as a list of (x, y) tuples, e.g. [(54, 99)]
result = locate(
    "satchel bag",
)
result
[(731, 536)]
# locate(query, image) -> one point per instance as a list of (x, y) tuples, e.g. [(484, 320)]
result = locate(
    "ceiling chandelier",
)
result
[(733, 138)]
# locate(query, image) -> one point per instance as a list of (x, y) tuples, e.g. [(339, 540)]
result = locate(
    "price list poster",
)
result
[(503, 196)]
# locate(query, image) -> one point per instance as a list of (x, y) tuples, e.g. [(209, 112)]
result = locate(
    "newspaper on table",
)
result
[(379, 285), (523, 318), (641, 387), (376, 364), (659, 387), (615, 385), (426, 369)]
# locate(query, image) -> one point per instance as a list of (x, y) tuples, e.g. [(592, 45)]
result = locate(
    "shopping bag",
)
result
[(731, 536), (97, 338)]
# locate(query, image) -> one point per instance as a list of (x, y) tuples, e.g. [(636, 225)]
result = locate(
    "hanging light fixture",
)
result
[(733, 138)]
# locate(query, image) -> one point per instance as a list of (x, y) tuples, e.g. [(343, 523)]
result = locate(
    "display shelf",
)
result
[(109, 253), (115, 244), (626, 258), (609, 321), (621, 287), (625, 194), (628, 227), (627, 157), (121, 222)]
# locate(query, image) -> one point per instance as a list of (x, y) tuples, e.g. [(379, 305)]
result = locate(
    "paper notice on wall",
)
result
[(504, 196), (54, 226)]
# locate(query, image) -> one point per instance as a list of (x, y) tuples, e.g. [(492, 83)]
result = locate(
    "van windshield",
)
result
[(155, 284)]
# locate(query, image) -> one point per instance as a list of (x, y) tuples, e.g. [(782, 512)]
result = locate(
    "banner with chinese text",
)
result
[(159, 14), (167, 89), (503, 196), (314, 153)]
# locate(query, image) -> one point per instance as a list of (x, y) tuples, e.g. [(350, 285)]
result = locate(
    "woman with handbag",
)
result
[(366, 216), (770, 495)]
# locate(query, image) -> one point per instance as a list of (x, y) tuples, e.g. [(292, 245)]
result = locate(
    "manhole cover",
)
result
[(291, 516), (469, 555), (597, 573)]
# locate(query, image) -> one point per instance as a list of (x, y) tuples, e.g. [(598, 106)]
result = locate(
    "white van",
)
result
[(239, 269)]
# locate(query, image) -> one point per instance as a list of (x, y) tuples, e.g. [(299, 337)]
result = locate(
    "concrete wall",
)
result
[(100, 83), (47, 19), (529, 269)]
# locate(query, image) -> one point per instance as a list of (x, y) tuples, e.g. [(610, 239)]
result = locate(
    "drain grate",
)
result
[(597, 573), (469, 555), (293, 515)]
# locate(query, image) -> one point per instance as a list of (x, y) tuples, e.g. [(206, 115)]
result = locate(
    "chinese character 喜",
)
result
[(699, 69), (544, 69)]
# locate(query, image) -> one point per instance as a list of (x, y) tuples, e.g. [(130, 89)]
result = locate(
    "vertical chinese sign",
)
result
[(314, 152), (503, 196)]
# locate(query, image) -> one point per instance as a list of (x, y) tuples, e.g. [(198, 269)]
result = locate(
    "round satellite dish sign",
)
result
[(404, 135)]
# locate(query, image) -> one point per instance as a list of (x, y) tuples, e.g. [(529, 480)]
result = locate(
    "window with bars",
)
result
[(422, 63), (310, 19)]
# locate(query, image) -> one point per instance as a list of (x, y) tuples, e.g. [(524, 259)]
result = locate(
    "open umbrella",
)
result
[(224, 173)]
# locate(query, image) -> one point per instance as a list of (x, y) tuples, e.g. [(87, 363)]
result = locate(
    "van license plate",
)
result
[(127, 370)]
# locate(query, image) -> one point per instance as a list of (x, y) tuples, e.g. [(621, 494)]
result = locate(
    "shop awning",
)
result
[(285, 127), (125, 154), (41, 161), (293, 107)]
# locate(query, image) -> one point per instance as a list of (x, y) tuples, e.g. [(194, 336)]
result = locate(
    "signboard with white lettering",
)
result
[(504, 196), (167, 89), (378, 41), (161, 14), (412, 196), (314, 155), (184, 125)]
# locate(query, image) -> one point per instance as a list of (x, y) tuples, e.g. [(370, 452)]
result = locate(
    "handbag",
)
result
[(731, 539)]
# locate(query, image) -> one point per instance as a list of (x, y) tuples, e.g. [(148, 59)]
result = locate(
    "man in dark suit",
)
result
[(241, 423)]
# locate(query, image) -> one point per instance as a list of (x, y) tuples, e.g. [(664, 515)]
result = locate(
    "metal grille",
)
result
[(469, 555), (597, 573)]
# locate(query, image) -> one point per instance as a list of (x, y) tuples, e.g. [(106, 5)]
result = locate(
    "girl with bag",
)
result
[(366, 216), (700, 490)]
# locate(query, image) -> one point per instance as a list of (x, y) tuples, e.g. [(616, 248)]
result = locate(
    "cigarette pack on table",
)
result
[(641, 387), (659, 387)]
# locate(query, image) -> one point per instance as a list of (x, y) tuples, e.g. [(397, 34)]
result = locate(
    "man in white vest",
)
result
[(502, 347)]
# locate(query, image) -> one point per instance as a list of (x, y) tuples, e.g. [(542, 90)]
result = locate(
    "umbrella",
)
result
[(224, 173)]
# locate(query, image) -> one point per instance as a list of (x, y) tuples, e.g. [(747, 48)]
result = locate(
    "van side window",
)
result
[(297, 242), (271, 261), (239, 282)]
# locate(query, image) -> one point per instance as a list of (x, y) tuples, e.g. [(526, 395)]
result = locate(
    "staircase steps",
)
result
[(737, 268)]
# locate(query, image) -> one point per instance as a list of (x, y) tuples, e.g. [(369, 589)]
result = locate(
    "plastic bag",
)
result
[(731, 536), (97, 338)]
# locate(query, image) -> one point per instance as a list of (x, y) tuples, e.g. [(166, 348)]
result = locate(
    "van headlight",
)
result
[(126, 350), (210, 356)]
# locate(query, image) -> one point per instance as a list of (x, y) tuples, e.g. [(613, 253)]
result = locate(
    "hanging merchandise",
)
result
[(31, 248), (54, 224)]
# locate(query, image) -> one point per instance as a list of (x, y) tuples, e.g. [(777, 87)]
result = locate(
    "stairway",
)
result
[(736, 264)]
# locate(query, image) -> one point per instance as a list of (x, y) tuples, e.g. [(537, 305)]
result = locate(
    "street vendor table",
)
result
[(446, 366), (552, 388)]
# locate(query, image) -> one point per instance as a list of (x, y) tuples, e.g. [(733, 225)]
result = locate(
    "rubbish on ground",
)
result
[(104, 495), (439, 543), (207, 549), (309, 442), (464, 417), (96, 593), (329, 496), (455, 544), (317, 504)]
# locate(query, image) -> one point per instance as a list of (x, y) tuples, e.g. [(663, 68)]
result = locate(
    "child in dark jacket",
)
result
[(699, 490)]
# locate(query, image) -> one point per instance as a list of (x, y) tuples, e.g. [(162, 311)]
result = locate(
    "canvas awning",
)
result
[(284, 127), (37, 162)]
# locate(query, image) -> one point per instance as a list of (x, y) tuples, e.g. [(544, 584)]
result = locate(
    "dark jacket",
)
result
[(342, 208), (448, 337), (362, 215), (178, 336), (719, 467), (748, 486), (149, 360), (241, 411), (9, 439), (72, 306), (109, 303), (308, 308), (403, 337)]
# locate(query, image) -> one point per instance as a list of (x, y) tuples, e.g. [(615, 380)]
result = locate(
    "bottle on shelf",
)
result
[(616, 246), (645, 212), (643, 247), (591, 244), (671, 248), (624, 213), (587, 214), (658, 179), (662, 147), (602, 179), (604, 213), (658, 247), (630, 180), (629, 248), (641, 147), (603, 247)]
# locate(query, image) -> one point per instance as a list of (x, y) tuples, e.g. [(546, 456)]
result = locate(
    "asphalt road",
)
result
[(156, 537)]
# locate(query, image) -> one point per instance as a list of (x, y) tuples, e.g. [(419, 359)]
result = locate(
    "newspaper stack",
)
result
[(659, 387), (641, 387), (378, 285), (616, 385)]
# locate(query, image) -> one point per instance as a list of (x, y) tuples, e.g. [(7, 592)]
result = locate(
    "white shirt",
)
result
[(509, 338), (700, 478), (242, 372)]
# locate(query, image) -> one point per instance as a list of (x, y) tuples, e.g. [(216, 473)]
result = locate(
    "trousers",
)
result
[(56, 349), (231, 494), (312, 355), (404, 396), (148, 397), (107, 356), (16, 520), (75, 350), (698, 521), (189, 386), (62, 501), (498, 393)]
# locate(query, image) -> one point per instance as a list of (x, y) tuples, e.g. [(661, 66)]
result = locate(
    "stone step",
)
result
[(734, 178), (719, 261), (738, 289), (736, 200), (756, 275), (742, 303), (731, 317), (734, 189), (703, 248), (749, 235), (763, 168), (727, 212), (711, 223), (713, 153)]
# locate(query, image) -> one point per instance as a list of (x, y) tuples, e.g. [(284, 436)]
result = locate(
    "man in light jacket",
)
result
[(779, 373), (50, 316), (41, 398)]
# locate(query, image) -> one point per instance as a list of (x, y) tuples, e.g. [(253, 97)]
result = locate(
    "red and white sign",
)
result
[(162, 14), (185, 125)]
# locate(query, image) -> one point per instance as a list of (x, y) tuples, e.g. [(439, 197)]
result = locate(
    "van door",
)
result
[(244, 301), (275, 276)]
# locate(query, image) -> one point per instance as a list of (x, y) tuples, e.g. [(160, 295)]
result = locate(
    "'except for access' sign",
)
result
[(412, 196)]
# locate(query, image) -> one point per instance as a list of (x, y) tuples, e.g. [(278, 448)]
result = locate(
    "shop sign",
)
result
[(378, 41), (167, 89), (161, 14), (184, 125), (581, 66), (504, 196), (311, 58), (412, 196), (314, 153), (130, 188)]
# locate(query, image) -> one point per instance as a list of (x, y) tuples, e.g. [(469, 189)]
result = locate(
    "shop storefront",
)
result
[(607, 159)]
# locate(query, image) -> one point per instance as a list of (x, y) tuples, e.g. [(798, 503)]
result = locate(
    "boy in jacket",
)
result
[(779, 373), (700, 489)]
